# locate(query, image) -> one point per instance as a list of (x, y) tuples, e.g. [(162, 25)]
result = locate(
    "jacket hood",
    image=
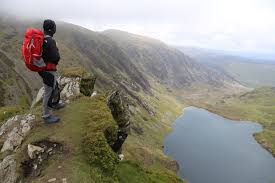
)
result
[(49, 27)]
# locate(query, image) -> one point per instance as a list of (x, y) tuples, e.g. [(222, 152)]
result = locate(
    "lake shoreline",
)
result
[(180, 152), (261, 142)]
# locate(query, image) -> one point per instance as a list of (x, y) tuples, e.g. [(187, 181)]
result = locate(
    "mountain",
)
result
[(118, 58), (157, 81), (166, 64), (251, 72)]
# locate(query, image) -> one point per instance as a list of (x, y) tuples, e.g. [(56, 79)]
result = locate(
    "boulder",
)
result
[(72, 88), (33, 151), (10, 122), (21, 126), (72, 85), (8, 170), (14, 139)]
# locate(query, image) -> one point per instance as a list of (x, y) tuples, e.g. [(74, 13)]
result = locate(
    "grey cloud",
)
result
[(197, 22)]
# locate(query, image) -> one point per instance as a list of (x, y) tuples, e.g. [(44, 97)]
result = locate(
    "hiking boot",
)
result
[(58, 106), (120, 157), (51, 119)]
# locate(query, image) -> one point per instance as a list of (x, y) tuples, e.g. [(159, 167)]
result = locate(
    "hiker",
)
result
[(121, 114), (51, 57)]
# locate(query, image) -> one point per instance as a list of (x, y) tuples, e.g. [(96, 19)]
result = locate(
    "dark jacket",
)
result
[(50, 53)]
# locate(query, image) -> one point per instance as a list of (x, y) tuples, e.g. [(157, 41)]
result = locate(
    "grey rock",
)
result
[(17, 134), (11, 121), (52, 180), (25, 129), (8, 170), (71, 88), (33, 151), (14, 139)]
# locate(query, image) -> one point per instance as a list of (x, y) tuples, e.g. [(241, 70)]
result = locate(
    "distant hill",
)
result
[(250, 72)]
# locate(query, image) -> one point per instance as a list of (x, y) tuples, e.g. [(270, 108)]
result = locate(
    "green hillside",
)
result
[(155, 78), (82, 132), (257, 105)]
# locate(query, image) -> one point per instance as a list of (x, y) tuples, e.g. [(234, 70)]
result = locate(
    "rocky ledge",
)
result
[(14, 131)]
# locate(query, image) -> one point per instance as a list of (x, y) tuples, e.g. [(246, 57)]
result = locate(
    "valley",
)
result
[(251, 72), (158, 82)]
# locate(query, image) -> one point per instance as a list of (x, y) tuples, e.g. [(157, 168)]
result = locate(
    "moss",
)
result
[(87, 85), (95, 144), (75, 72), (99, 153), (132, 172)]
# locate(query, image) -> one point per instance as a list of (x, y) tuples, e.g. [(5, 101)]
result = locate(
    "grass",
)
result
[(257, 105), (131, 172), (85, 118), (9, 111), (74, 72)]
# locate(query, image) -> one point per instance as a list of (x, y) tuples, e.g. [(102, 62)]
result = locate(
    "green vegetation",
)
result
[(87, 156), (131, 172), (76, 71), (147, 71), (257, 105), (9, 111)]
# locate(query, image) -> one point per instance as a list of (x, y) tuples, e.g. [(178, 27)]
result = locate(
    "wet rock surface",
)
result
[(39, 153)]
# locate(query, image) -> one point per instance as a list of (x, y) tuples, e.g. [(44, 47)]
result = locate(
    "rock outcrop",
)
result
[(12, 134), (71, 86), (16, 129), (8, 170), (121, 114)]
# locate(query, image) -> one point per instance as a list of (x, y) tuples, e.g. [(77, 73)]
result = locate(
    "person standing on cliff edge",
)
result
[(51, 57)]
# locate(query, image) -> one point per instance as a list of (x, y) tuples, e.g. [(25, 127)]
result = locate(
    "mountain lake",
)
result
[(213, 149)]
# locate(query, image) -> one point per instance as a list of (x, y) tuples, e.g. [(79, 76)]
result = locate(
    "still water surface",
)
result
[(212, 149)]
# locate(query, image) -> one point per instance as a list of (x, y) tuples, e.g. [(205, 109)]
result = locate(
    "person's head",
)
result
[(49, 27)]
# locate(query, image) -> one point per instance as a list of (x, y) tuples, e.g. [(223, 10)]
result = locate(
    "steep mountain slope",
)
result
[(165, 64), (118, 58), (151, 75)]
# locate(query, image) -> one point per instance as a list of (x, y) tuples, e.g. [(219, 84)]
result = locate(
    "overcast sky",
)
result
[(233, 25)]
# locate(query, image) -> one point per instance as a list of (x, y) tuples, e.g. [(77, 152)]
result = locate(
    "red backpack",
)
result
[(32, 49)]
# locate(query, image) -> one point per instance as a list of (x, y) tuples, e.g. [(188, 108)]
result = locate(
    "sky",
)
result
[(231, 25)]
